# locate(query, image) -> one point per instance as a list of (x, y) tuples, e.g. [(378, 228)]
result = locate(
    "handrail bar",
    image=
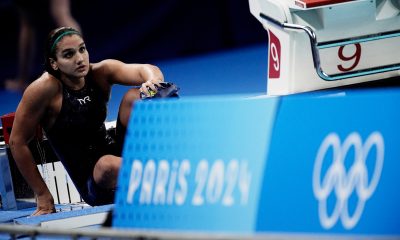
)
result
[(315, 46)]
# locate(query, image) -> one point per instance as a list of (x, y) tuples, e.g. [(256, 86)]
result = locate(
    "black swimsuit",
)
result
[(79, 138)]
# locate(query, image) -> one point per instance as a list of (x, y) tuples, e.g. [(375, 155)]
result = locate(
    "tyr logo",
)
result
[(84, 100)]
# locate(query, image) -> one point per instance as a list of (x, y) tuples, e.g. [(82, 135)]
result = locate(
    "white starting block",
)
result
[(318, 44), (59, 183), (53, 172)]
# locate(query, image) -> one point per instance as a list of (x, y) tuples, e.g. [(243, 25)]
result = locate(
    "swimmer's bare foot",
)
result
[(15, 85)]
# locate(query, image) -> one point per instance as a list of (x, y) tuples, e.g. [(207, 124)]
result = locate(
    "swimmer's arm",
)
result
[(27, 117), (144, 75)]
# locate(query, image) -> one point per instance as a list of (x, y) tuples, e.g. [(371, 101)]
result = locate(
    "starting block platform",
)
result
[(14, 186), (17, 201), (319, 44), (315, 3), (67, 216)]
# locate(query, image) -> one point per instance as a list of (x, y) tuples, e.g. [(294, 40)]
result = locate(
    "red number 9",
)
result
[(356, 57), (275, 57)]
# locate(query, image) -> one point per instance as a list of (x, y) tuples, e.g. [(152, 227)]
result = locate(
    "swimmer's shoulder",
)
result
[(46, 86)]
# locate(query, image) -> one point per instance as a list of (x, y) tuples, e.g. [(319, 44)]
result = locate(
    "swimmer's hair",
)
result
[(51, 46)]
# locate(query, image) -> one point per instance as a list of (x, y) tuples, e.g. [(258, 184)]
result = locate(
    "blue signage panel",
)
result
[(194, 164), (297, 164), (333, 166)]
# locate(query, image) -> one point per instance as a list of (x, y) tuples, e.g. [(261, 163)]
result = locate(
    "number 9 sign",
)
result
[(274, 56), (355, 57)]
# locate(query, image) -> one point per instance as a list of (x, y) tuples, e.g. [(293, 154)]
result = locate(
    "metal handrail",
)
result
[(315, 46), (17, 231), (35, 232)]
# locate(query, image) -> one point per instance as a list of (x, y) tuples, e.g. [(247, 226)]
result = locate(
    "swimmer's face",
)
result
[(72, 57)]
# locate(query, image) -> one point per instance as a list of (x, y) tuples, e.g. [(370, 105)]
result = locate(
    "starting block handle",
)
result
[(315, 46)]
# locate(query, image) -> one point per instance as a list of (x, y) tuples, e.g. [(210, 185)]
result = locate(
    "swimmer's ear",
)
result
[(53, 64)]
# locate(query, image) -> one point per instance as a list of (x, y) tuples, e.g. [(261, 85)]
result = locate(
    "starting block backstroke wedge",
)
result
[(318, 44)]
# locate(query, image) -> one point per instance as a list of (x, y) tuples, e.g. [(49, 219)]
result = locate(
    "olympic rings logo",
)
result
[(344, 182)]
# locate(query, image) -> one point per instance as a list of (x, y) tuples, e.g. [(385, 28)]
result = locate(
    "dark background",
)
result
[(143, 31)]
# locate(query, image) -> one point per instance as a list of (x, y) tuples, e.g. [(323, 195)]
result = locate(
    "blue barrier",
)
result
[(298, 164)]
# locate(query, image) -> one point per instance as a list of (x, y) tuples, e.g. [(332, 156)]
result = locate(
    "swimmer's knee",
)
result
[(126, 105), (106, 170), (131, 96)]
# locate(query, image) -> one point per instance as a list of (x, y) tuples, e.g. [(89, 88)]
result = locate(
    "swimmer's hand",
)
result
[(164, 90), (45, 204), (149, 88)]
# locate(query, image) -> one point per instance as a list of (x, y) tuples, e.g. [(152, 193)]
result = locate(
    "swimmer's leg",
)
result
[(105, 172), (101, 186), (124, 113)]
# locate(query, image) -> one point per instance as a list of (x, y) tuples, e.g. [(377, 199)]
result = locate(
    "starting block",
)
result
[(50, 168), (319, 44), (7, 198)]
